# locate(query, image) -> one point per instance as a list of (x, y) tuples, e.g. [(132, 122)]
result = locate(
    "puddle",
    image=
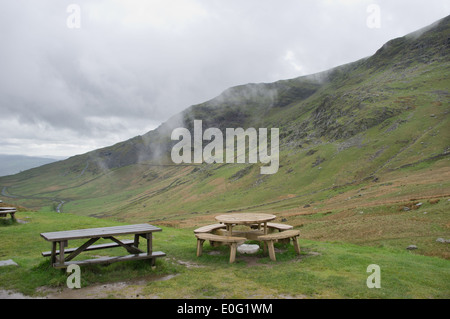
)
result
[(122, 290), (7, 294)]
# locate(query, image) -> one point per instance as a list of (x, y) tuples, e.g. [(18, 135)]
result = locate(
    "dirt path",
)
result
[(122, 290)]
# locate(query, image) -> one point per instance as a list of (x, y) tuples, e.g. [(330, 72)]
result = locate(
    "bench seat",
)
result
[(228, 240), (93, 247), (109, 260), (249, 234), (272, 238), (209, 228), (275, 226)]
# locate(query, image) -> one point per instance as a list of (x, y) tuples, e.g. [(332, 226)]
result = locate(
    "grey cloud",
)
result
[(138, 71)]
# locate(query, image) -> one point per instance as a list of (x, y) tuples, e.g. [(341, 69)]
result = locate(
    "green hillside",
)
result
[(372, 135)]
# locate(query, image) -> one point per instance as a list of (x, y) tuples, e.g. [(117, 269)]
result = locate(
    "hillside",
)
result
[(373, 134)]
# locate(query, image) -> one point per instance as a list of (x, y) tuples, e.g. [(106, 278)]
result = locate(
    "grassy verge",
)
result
[(323, 270)]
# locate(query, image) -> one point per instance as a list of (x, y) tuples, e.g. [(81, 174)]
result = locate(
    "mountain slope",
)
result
[(378, 121)]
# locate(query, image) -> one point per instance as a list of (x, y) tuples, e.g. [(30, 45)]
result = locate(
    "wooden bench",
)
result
[(109, 260), (93, 247), (209, 228), (272, 238), (275, 226), (4, 211), (249, 234), (228, 240)]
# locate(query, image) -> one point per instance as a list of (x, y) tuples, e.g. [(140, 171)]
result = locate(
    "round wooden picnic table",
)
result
[(245, 219)]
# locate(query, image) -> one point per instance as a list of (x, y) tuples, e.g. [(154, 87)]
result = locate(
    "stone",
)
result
[(411, 247), (442, 240), (248, 249), (8, 262)]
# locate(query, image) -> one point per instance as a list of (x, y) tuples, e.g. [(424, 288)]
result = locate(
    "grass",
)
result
[(323, 270)]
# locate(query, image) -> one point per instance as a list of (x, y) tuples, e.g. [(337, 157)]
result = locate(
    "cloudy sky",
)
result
[(76, 76)]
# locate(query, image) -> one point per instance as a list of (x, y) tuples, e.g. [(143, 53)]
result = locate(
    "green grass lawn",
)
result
[(323, 270)]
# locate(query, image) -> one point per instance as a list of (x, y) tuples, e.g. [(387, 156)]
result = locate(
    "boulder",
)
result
[(248, 249)]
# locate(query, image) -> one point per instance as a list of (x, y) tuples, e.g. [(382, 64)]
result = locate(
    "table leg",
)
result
[(230, 230), (136, 241), (271, 250), (53, 256), (149, 243), (62, 244), (150, 247), (233, 249)]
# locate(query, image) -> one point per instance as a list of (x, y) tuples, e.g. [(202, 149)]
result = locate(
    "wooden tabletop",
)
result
[(100, 232), (245, 218)]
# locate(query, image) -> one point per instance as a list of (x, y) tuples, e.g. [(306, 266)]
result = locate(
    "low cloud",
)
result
[(134, 64)]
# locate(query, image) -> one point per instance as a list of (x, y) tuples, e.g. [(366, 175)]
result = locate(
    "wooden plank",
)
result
[(271, 250), (245, 218), (94, 247), (280, 235), (129, 248), (233, 249), (249, 234), (62, 245), (272, 226), (81, 248), (100, 232), (209, 228), (280, 226), (108, 260), (223, 239)]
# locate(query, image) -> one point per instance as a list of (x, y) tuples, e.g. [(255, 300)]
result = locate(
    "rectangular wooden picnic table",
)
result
[(62, 238), (8, 210)]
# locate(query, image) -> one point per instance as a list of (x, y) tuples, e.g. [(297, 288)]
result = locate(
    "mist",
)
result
[(131, 65)]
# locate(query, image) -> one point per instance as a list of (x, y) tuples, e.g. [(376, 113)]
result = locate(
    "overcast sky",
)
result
[(73, 81)]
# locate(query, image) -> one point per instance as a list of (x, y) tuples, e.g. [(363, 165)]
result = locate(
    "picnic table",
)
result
[(249, 219), (61, 239), (8, 210), (217, 234)]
